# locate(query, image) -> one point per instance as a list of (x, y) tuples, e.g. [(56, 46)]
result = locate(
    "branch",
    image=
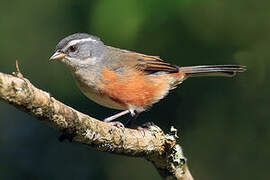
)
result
[(150, 143)]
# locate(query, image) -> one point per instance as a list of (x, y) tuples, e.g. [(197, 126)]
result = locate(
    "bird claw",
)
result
[(148, 125), (117, 124)]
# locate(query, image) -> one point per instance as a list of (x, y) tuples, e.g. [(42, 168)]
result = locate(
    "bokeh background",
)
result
[(223, 123)]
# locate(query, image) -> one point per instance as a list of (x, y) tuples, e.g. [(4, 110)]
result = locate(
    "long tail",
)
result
[(212, 70)]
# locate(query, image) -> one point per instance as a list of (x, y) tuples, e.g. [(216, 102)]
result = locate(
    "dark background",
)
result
[(223, 123)]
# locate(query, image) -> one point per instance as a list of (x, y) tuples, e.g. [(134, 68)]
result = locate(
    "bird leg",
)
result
[(129, 123), (132, 120), (111, 118)]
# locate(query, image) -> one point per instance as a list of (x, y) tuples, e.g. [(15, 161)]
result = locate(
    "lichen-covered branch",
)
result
[(150, 143)]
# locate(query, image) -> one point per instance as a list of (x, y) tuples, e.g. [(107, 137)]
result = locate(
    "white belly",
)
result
[(98, 98)]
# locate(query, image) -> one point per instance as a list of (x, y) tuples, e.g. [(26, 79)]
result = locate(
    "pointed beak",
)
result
[(57, 56)]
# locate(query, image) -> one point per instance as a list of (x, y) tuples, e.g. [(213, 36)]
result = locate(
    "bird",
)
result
[(125, 80)]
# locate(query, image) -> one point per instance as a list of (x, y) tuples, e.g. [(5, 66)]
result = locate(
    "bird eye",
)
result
[(72, 48)]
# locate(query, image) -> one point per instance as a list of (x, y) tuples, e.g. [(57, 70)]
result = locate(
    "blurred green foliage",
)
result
[(223, 123)]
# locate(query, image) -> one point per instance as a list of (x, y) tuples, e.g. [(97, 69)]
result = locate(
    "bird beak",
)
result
[(58, 56)]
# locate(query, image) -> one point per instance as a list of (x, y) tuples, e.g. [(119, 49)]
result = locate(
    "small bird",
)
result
[(125, 80)]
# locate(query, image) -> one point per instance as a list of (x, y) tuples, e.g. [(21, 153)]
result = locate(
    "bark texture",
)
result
[(150, 143)]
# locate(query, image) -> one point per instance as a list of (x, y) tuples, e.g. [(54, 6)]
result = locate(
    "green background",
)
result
[(223, 123)]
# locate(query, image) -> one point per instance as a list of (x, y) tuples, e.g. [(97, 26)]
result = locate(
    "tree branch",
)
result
[(151, 143)]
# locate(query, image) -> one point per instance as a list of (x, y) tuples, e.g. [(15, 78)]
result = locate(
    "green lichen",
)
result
[(177, 160)]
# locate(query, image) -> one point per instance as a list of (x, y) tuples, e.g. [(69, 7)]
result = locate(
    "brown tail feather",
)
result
[(212, 70)]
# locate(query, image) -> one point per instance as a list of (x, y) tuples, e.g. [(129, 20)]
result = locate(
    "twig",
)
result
[(18, 72)]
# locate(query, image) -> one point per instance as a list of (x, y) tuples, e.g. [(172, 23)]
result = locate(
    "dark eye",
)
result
[(72, 48)]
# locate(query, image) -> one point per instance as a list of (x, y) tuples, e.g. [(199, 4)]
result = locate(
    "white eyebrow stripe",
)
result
[(73, 42)]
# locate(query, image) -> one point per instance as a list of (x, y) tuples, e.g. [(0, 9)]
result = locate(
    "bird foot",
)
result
[(117, 124)]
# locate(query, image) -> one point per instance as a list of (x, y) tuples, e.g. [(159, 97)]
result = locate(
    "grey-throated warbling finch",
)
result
[(122, 79)]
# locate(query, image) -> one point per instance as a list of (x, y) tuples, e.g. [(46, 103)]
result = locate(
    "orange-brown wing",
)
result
[(153, 64)]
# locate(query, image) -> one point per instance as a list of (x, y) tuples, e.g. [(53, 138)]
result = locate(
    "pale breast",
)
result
[(100, 98), (88, 87)]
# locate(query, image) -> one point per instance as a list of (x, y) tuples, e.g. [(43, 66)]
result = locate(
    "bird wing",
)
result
[(153, 64), (148, 64), (141, 62)]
